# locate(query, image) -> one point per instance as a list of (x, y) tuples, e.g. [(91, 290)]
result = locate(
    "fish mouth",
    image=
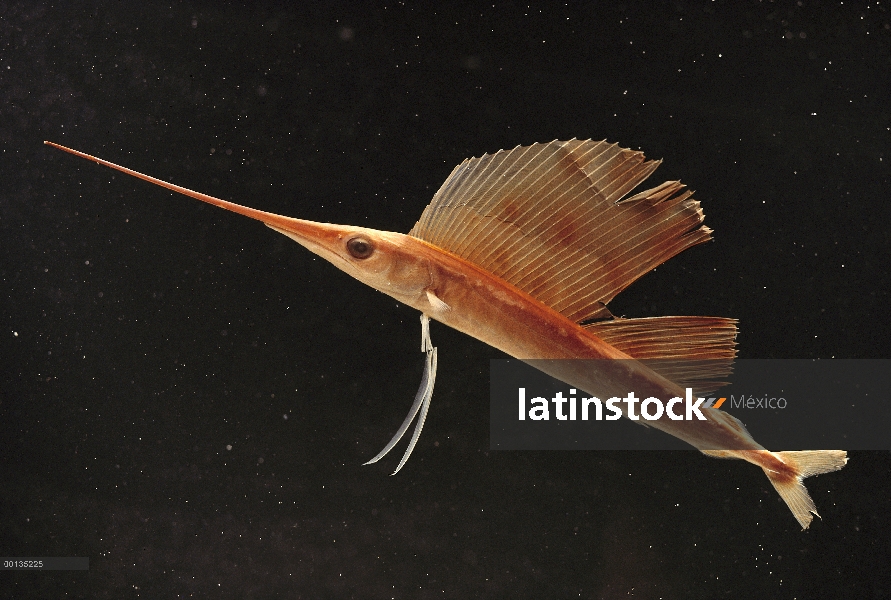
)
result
[(309, 235)]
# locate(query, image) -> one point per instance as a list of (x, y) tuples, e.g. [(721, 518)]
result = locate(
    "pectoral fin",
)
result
[(436, 303)]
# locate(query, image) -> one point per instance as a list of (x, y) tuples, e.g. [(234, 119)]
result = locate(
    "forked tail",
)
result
[(796, 466)]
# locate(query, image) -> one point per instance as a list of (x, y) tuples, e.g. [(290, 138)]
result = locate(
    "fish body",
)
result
[(491, 310), (523, 249)]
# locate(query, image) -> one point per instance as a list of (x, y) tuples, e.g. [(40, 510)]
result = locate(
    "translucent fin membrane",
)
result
[(553, 220), (694, 352)]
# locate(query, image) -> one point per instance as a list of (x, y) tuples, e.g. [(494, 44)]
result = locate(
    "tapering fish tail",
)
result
[(789, 480)]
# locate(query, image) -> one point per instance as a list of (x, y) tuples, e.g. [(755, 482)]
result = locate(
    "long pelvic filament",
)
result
[(421, 403)]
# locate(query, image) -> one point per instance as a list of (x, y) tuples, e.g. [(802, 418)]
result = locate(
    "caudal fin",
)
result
[(800, 465)]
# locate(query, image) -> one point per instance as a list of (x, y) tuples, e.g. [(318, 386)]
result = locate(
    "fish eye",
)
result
[(360, 247)]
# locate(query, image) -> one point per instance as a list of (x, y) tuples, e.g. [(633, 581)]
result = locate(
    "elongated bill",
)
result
[(319, 238)]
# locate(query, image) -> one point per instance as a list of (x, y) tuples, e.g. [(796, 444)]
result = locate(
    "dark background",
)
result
[(144, 334)]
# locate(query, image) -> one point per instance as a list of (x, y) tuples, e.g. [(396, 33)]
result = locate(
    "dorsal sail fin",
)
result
[(551, 220)]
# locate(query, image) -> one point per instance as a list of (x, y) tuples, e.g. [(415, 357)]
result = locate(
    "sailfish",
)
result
[(523, 249)]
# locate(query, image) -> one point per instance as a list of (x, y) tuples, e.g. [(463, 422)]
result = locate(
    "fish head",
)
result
[(380, 259)]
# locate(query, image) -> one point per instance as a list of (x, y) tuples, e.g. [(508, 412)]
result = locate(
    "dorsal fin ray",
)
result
[(552, 219), (694, 352)]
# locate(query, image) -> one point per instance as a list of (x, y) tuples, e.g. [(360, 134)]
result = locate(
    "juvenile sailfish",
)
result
[(523, 249)]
